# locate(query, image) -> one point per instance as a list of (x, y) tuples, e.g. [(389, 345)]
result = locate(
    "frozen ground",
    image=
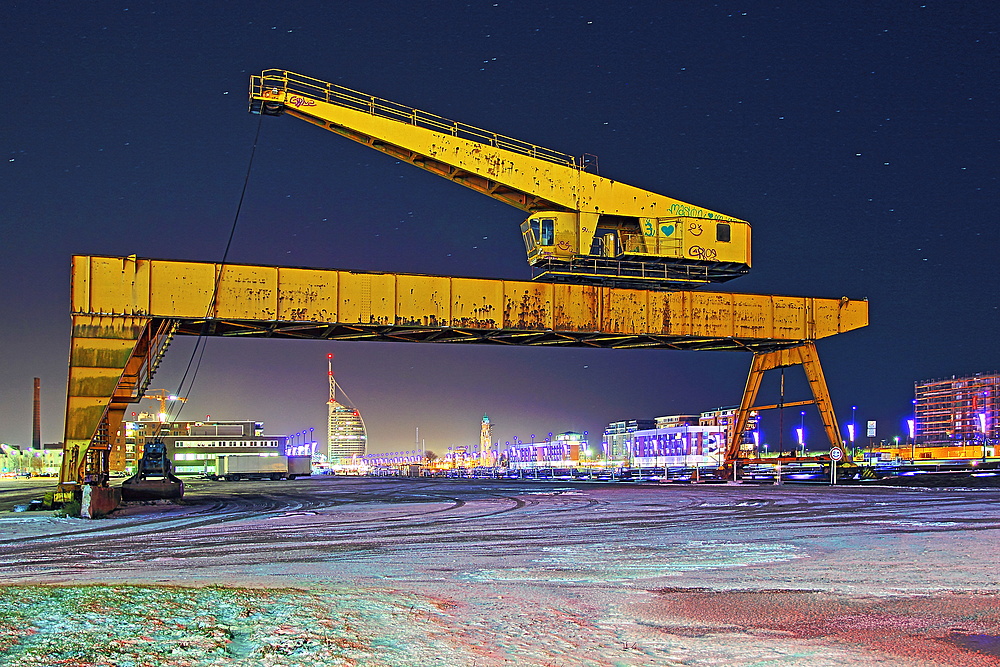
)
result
[(452, 572)]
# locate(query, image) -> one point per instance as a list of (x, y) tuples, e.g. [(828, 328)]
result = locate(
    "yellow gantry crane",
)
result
[(613, 266), (581, 228)]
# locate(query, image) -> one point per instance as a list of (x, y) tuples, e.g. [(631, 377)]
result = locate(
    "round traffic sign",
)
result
[(836, 453)]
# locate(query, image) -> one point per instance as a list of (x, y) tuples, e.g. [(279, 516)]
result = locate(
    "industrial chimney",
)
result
[(36, 431)]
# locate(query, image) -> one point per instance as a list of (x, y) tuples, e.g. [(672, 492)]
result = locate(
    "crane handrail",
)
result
[(283, 81)]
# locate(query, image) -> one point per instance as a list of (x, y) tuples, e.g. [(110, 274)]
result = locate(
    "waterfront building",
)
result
[(958, 411), (347, 438), (677, 446), (672, 421), (723, 417), (624, 440), (616, 434), (562, 450)]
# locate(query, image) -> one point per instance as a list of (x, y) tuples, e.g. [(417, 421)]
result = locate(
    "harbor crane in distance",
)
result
[(163, 397), (581, 228)]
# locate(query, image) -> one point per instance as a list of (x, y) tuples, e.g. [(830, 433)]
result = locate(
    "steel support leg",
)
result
[(804, 355), (112, 360)]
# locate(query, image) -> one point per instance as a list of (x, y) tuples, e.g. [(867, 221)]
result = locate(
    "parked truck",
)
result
[(234, 467)]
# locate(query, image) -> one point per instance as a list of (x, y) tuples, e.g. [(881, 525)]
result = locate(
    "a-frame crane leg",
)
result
[(112, 360), (804, 355)]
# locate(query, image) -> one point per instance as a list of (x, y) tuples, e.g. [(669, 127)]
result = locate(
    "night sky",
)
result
[(858, 138)]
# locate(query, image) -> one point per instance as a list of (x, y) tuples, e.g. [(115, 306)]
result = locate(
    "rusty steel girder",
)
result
[(126, 309), (287, 302)]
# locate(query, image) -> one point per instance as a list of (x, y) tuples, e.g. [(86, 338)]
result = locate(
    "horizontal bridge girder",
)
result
[(286, 302)]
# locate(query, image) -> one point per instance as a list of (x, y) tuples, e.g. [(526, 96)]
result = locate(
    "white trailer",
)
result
[(234, 467), (299, 466)]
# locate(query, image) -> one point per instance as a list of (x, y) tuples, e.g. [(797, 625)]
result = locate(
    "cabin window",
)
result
[(529, 240), (723, 233), (547, 236), (535, 230)]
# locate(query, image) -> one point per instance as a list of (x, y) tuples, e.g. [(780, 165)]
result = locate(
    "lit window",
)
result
[(548, 232)]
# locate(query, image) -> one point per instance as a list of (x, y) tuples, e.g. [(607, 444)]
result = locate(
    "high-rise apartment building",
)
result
[(957, 410)]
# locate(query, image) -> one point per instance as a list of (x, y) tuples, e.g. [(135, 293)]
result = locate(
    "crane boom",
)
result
[(582, 227), (162, 396)]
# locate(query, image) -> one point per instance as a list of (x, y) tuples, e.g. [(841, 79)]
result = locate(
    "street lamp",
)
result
[(851, 427), (802, 430), (982, 427), (911, 424)]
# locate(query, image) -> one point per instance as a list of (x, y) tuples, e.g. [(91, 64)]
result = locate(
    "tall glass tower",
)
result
[(346, 434)]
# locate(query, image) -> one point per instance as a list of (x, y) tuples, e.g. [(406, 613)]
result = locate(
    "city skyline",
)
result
[(851, 136), (794, 420)]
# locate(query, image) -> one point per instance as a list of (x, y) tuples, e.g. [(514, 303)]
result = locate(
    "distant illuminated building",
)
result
[(673, 421), (958, 410), (629, 438), (194, 446), (683, 445), (562, 450), (486, 441), (617, 433), (725, 417), (346, 434)]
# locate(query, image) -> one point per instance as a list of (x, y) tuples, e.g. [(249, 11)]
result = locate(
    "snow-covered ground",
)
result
[(438, 572)]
